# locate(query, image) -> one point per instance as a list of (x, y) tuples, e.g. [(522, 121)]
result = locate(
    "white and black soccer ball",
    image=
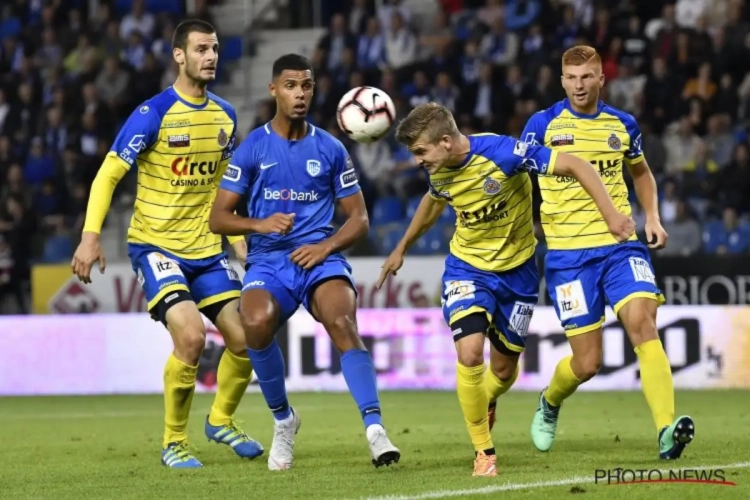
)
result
[(365, 114)]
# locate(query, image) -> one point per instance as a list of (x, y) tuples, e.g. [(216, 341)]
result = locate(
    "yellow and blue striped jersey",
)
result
[(180, 146), (608, 139), (491, 194)]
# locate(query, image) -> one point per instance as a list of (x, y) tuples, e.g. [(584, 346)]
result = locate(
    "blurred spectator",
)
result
[(389, 11), (681, 145), (684, 233), (499, 45), (335, 42), (668, 202), (726, 237), (400, 43), (138, 21)]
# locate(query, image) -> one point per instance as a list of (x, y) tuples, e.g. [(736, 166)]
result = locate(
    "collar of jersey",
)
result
[(469, 155), (599, 107), (310, 131), (193, 102)]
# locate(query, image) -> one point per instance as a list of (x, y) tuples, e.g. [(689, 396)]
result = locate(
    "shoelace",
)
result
[(284, 433), (549, 416), (380, 439), (181, 451), (236, 432)]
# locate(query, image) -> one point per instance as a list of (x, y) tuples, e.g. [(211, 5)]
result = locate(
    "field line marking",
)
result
[(486, 490)]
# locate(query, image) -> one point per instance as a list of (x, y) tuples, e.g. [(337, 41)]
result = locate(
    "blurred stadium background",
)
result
[(72, 70)]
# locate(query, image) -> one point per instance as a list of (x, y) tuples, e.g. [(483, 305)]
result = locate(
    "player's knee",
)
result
[(343, 332), (588, 364), (504, 367), (641, 327), (259, 327), (189, 342)]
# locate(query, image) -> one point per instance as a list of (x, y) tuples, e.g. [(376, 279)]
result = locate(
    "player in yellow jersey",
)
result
[(491, 281), (585, 266), (180, 142)]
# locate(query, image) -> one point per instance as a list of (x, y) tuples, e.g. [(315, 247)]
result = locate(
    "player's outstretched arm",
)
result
[(223, 219), (645, 189), (428, 212), (89, 250), (620, 225)]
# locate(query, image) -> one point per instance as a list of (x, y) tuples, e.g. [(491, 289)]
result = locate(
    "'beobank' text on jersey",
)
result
[(180, 146), (608, 139), (491, 194), (303, 177)]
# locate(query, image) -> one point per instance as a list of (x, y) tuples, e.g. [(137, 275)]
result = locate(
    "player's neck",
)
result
[(291, 130), (190, 88), (591, 109), (463, 148)]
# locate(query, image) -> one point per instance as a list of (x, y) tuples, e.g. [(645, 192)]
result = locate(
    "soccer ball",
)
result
[(365, 114)]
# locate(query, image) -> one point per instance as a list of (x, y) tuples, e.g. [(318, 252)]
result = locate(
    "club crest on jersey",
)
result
[(223, 138), (614, 142), (313, 167), (562, 140), (491, 186)]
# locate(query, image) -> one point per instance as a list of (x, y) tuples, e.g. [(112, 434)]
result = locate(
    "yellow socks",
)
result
[(494, 387), (179, 387), (656, 380), (232, 378), (473, 399), (563, 383)]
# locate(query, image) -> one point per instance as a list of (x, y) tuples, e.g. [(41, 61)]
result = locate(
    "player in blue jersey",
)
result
[(294, 175), (180, 142)]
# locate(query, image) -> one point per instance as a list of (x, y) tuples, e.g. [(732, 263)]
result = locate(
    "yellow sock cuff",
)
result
[(240, 364), (649, 347), (179, 372), (471, 375), (496, 387)]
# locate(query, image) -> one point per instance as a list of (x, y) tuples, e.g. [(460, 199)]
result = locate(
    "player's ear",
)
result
[(272, 89), (601, 80), (178, 55)]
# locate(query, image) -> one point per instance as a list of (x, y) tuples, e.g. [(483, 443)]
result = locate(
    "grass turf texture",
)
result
[(108, 447)]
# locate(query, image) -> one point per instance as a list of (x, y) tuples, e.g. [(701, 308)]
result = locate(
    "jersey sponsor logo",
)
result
[(313, 167), (170, 298), (520, 149), (290, 195), (348, 178), (642, 270), (253, 284), (233, 173), (184, 168), (561, 125), (614, 142), (571, 300), (127, 156), (178, 141), (607, 168), (562, 140), (231, 272), (458, 290), (176, 124), (492, 186), (520, 318), (162, 266), (223, 138), (486, 214), (137, 143)]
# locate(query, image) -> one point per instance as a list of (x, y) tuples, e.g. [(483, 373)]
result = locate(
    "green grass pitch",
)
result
[(108, 448)]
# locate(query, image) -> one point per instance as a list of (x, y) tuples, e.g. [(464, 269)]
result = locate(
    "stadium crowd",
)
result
[(69, 77)]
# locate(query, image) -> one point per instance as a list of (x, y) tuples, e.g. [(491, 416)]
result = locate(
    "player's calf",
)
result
[(499, 378)]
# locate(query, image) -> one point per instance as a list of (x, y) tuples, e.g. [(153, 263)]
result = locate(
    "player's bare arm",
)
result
[(620, 225), (427, 214), (240, 249), (355, 227), (89, 250), (645, 189), (224, 221)]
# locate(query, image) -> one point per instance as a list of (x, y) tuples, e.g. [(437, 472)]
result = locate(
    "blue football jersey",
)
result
[(303, 177)]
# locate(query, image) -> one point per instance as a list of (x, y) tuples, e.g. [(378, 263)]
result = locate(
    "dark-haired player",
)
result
[(294, 175), (180, 141), (586, 268)]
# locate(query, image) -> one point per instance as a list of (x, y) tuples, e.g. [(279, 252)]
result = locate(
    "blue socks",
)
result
[(359, 373), (356, 365), (268, 364)]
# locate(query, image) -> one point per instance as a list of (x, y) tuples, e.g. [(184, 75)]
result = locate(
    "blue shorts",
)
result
[(582, 282), (290, 284), (159, 272), (507, 298)]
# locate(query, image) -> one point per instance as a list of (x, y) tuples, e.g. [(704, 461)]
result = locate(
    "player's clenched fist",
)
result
[(88, 252), (277, 224), (621, 226), (391, 266)]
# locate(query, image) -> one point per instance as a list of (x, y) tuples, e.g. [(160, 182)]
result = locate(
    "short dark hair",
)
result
[(183, 30), (293, 62)]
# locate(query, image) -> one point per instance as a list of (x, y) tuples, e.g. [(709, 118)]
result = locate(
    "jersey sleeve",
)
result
[(229, 149), (634, 154), (513, 157), (240, 171), (345, 182), (140, 131)]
